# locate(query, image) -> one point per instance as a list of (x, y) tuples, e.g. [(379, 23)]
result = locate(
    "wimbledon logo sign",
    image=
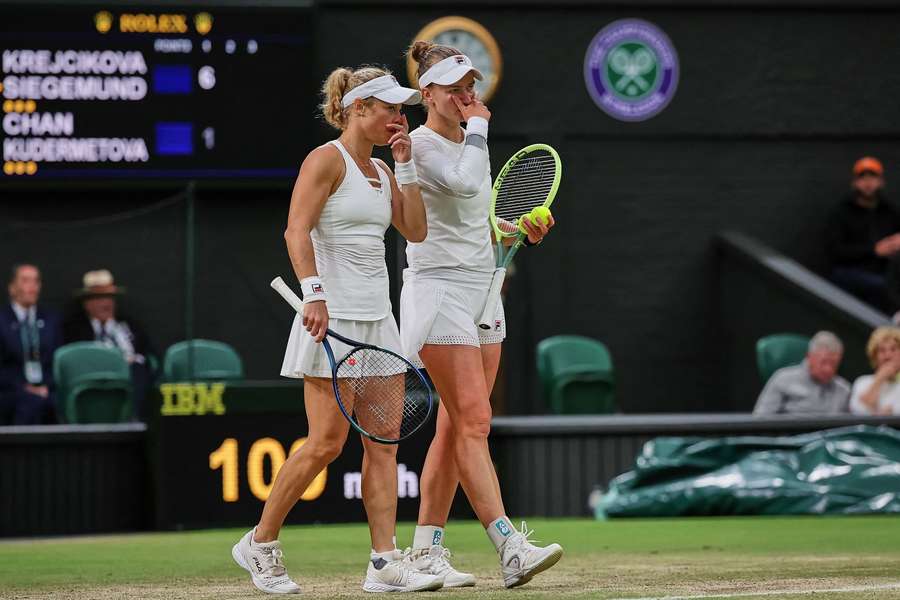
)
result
[(631, 70)]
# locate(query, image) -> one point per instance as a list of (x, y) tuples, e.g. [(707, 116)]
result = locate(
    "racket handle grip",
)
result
[(288, 294), (490, 306)]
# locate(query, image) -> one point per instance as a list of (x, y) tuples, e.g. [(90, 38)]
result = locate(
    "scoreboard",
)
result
[(125, 91), (217, 447)]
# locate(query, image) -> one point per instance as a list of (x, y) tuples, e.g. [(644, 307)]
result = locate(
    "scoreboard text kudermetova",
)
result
[(134, 93)]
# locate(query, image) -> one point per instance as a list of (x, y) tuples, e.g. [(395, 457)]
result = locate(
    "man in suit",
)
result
[(29, 335), (99, 320)]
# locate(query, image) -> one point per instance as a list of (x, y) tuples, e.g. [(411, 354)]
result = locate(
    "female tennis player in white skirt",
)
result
[(444, 291), (342, 203)]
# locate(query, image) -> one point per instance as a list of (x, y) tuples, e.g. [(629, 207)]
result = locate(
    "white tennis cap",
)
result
[(450, 70), (384, 88)]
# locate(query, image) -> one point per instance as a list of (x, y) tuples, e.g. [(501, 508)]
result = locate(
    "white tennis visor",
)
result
[(386, 89), (450, 70)]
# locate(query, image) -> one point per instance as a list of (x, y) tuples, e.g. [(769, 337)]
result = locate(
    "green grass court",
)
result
[(859, 557)]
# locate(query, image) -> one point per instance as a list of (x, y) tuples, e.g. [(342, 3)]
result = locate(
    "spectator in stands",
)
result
[(879, 393), (863, 236), (812, 387), (98, 319), (29, 335)]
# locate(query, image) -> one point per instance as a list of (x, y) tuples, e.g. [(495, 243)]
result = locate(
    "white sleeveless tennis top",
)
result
[(349, 244)]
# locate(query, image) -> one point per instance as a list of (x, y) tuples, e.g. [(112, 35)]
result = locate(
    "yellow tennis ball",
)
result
[(540, 215)]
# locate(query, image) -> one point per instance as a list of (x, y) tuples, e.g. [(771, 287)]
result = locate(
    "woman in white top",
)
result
[(444, 291), (879, 393), (342, 203)]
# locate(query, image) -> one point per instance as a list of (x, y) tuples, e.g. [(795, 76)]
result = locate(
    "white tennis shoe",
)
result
[(265, 563), (520, 560), (398, 575), (434, 560)]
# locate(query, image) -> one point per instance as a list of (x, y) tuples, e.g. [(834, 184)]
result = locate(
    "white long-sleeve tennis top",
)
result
[(455, 179)]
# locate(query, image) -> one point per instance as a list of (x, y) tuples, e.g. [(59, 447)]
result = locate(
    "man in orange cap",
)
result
[(863, 237)]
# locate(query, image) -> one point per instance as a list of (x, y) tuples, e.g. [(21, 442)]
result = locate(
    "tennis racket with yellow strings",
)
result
[(526, 185)]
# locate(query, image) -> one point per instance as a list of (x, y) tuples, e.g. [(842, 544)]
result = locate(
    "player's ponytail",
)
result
[(333, 90)]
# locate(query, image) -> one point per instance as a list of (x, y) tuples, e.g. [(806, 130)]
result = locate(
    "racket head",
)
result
[(383, 395), (530, 178)]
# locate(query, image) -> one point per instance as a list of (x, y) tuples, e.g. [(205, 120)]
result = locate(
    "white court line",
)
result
[(859, 588)]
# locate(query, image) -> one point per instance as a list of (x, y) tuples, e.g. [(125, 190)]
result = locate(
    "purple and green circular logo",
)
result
[(631, 70)]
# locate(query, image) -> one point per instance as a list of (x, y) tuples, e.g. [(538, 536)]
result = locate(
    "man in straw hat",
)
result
[(99, 320)]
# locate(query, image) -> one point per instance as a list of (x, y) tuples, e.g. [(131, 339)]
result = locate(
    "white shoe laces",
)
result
[(441, 559), (274, 566), (521, 537), (438, 560), (405, 562)]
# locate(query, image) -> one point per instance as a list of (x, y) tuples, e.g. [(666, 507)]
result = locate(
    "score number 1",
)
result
[(225, 457), (209, 138)]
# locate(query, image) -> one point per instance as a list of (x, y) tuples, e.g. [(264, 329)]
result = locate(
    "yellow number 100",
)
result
[(225, 457)]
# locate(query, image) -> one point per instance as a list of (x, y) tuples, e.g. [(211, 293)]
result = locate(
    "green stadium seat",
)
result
[(213, 361), (577, 375), (93, 383), (779, 350)]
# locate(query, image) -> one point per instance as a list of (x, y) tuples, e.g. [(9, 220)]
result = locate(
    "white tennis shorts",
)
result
[(304, 356), (441, 311)]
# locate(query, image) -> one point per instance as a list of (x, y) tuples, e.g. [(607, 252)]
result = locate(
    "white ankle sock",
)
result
[(427, 536), (499, 530), (386, 555)]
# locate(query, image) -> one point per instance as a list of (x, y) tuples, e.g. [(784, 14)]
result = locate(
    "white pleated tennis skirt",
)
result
[(304, 356), (438, 310)]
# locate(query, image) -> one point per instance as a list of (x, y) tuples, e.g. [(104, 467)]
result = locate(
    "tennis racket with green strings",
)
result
[(527, 181)]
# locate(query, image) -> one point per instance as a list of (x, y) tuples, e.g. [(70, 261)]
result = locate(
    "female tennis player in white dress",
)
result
[(444, 291), (342, 203)]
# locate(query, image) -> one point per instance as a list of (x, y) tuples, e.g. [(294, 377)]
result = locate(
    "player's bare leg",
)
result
[(438, 487), (458, 374), (259, 551)]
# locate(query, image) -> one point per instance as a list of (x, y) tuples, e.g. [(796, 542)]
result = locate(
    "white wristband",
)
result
[(312, 290), (405, 173), (477, 126)]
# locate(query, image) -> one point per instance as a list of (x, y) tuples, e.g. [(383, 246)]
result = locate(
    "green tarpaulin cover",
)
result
[(850, 470)]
